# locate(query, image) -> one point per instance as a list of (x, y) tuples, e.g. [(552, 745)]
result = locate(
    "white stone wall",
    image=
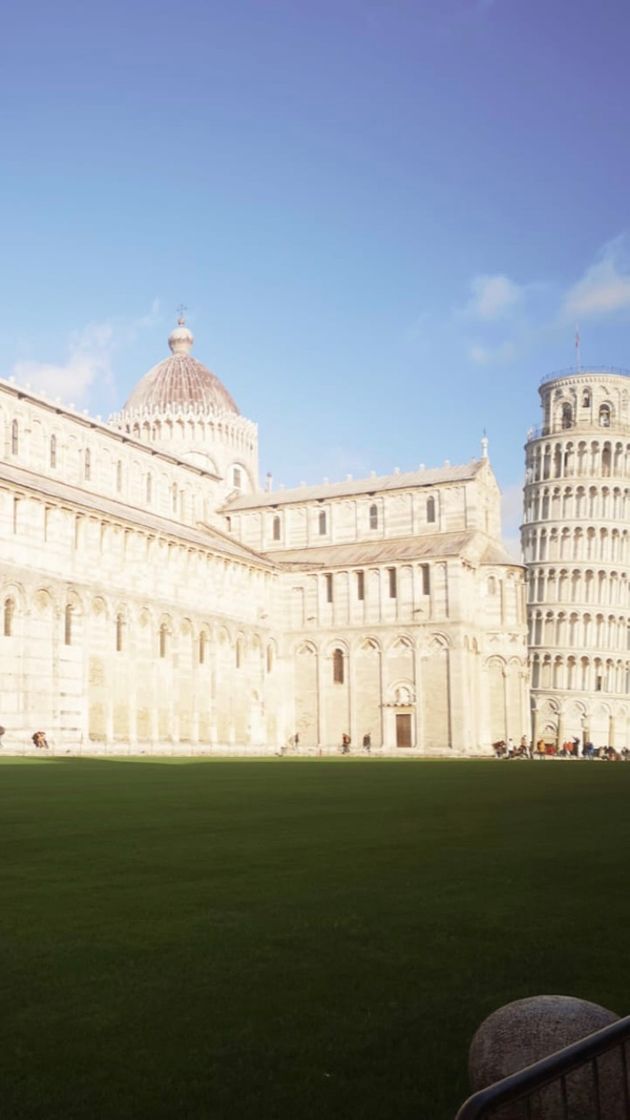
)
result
[(279, 522), (454, 658), (226, 444), (72, 448)]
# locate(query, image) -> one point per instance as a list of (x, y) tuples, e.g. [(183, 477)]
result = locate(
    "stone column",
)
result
[(321, 711), (417, 688)]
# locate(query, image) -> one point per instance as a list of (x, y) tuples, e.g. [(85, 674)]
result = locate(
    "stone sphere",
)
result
[(526, 1030)]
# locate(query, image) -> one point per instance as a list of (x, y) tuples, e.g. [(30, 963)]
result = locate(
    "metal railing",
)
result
[(578, 430), (545, 1089), (584, 371)]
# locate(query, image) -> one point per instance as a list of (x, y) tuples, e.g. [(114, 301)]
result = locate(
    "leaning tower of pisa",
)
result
[(575, 546)]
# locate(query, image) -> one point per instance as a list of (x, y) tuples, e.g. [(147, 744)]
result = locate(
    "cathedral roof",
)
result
[(180, 383), (398, 481), (472, 544)]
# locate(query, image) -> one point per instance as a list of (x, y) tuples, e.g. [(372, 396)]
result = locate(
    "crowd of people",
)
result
[(570, 748)]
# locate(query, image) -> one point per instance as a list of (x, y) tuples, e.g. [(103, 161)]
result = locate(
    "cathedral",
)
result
[(155, 599)]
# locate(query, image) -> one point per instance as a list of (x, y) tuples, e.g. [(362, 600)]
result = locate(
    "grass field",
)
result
[(293, 939)]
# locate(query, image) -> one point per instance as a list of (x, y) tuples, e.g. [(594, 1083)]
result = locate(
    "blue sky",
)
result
[(385, 217)]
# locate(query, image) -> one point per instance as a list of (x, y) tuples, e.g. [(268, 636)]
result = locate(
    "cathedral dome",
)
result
[(180, 383)]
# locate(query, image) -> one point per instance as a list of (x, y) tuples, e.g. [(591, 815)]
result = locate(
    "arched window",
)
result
[(237, 478), (238, 653), (338, 671), (374, 516), (604, 416), (586, 398), (163, 638), (202, 647), (87, 464), (269, 658), (53, 451), (119, 476), (567, 415), (430, 509), (67, 626), (15, 438), (9, 611), (120, 632), (149, 489), (322, 522), (276, 528)]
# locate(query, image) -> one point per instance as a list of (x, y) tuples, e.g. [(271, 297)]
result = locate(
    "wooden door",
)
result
[(403, 729)]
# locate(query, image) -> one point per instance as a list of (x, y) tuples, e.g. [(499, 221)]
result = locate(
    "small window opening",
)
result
[(9, 610), (163, 633), (426, 579), (120, 629), (53, 451), (430, 509), (87, 464), (322, 522), (202, 647), (329, 587), (15, 438), (67, 628), (276, 528), (149, 489), (338, 669), (119, 476), (392, 582), (360, 585), (374, 517)]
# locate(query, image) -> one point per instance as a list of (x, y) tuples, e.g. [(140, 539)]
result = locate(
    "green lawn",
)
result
[(292, 939)]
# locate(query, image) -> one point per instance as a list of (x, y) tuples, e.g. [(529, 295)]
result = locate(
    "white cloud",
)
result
[(492, 297), (482, 355), (89, 359), (605, 287), (89, 354)]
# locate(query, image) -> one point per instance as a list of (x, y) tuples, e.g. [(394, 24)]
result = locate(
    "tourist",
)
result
[(367, 742), (345, 743), (40, 741), (1, 734)]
